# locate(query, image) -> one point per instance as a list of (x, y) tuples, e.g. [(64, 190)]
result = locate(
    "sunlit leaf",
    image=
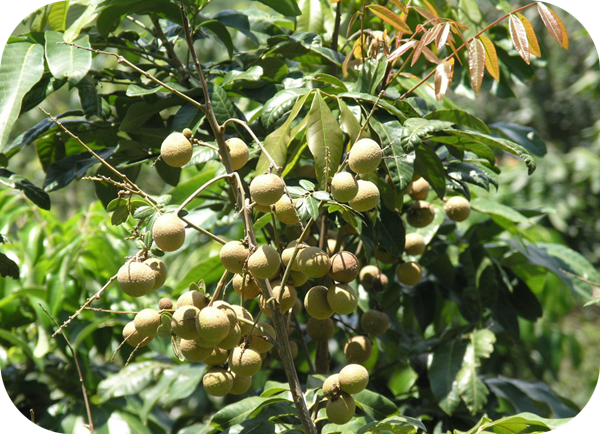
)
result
[(518, 35), (442, 37), (534, 46), (389, 17), (476, 64), (443, 78), (491, 57), (554, 25)]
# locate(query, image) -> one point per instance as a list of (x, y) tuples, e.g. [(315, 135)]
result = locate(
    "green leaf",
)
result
[(66, 61), (168, 173), (84, 19), (316, 17), (459, 117), (472, 174), (130, 380), (325, 140), (525, 136), (374, 100), (187, 381), (495, 208), (57, 18), (375, 405), (238, 412), (33, 193), (209, 269), (221, 32), (348, 121), (390, 17), (283, 101), (400, 166), (223, 107), (430, 167), (390, 232), (415, 130), (395, 424), (18, 342), (521, 422), (284, 7), (22, 67), (274, 387), (62, 172), (445, 365), (8, 267), (262, 222), (89, 98)]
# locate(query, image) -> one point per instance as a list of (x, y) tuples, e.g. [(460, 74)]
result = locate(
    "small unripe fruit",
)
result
[(313, 262), (248, 286), (286, 255), (320, 329), (365, 156), (374, 322), (160, 271), (409, 273), (242, 312), (192, 298), (264, 262), (287, 299), (135, 279), (245, 361), (341, 409), (168, 232), (316, 304), (176, 150), (419, 189), (344, 267), (353, 378), (414, 244), (233, 256), (259, 340), (457, 208), (420, 214), (240, 384), (165, 303), (146, 322), (367, 197), (342, 298), (188, 133), (358, 349), (331, 385), (133, 337), (238, 151), (217, 356), (212, 324), (183, 322), (343, 187), (217, 381), (266, 189), (285, 210), (192, 351)]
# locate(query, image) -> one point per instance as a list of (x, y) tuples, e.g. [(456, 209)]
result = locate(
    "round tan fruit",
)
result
[(266, 189), (316, 304), (367, 197), (212, 324), (343, 187), (217, 356), (132, 337), (414, 244), (353, 378), (160, 271), (409, 273), (227, 309), (367, 274), (384, 256), (242, 312), (313, 262), (258, 339), (238, 151), (374, 322), (420, 214), (248, 286), (320, 329), (240, 384), (176, 150), (135, 279), (419, 189), (287, 299), (292, 233), (457, 208), (233, 256), (264, 262), (244, 361), (165, 303), (298, 278), (358, 349), (331, 385), (232, 339), (287, 253), (285, 210), (265, 209), (168, 232), (344, 267), (183, 322), (217, 381), (342, 298), (192, 351), (146, 322), (192, 298), (341, 409), (365, 156)]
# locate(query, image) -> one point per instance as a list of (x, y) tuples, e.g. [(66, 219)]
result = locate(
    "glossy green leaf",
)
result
[(495, 208), (130, 380), (282, 102), (22, 67), (8, 267), (238, 412), (33, 193), (316, 16), (221, 32), (57, 18), (445, 365), (472, 174), (325, 140), (66, 61), (390, 232), (375, 405), (524, 136), (400, 165), (63, 172), (284, 7), (459, 117), (415, 130)]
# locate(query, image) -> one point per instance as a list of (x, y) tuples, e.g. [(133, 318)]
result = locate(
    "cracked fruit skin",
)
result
[(266, 189), (365, 156), (176, 150), (135, 279), (168, 232)]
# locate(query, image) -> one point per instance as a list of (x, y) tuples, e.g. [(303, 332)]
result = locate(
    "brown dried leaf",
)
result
[(518, 34), (389, 17), (443, 78), (491, 58), (476, 64), (534, 47), (554, 25)]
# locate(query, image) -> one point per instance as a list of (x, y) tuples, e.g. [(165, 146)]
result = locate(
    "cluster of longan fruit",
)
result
[(225, 336)]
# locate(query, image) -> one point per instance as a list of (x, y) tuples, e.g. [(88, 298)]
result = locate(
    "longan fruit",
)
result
[(258, 339), (176, 150), (233, 256), (414, 244), (217, 356), (287, 299), (183, 322), (217, 381), (344, 267), (286, 255), (365, 156), (160, 271), (353, 378), (371, 277), (298, 278), (135, 279), (342, 298), (344, 187), (419, 189), (409, 273), (240, 384), (264, 262), (192, 351), (244, 361), (358, 349), (213, 324), (457, 208), (192, 298), (341, 409), (242, 312), (266, 189), (420, 214), (232, 339), (165, 303), (133, 337), (331, 385), (374, 322), (313, 262), (285, 210), (146, 322), (168, 232), (316, 304), (366, 198), (250, 287), (238, 151), (320, 329)]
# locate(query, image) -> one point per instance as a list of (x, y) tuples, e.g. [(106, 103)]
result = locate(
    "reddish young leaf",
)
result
[(432, 34), (443, 78), (425, 13), (491, 58), (398, 52), (476, 63), (431, 8), (554, 25), (351, 23), (442, 37), (390, 17), (518, 34), (534, 47), (430, 55), (399, 5)]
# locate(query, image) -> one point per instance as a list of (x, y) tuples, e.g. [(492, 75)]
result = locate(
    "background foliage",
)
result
[(496, 313)]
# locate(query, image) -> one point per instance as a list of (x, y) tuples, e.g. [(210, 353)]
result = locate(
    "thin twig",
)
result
[(597, 285), (204, 231), (199, 190), (220, 286), (120, 312)]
